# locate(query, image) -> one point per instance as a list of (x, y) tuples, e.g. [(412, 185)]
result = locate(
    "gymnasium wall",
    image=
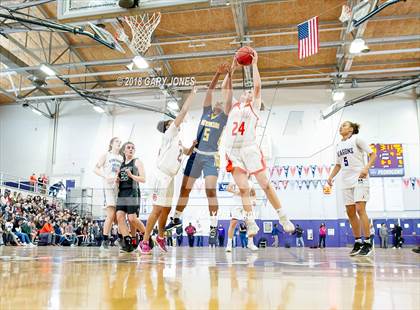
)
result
[(26, 142)]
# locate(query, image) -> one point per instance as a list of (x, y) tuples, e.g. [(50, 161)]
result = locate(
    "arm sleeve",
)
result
[(363, 146)]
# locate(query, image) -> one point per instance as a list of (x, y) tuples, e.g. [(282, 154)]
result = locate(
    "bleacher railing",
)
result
[(14, 182)]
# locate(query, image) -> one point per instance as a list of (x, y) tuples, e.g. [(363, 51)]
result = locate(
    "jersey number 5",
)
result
[(346, 162), (238, 128), (206, 134)]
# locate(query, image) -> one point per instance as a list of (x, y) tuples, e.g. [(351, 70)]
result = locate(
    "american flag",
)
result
[(308, 38)]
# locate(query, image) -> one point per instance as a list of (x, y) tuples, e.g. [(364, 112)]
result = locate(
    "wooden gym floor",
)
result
[(203, 278)]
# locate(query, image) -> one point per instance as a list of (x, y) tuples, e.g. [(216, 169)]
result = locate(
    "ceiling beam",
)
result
[(222, 53), (63, 37), (399, 73)]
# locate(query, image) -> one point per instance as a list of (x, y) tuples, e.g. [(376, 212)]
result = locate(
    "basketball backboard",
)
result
[(84, 8), (360, 10)]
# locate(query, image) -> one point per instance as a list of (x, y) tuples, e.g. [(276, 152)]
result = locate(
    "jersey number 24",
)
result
[(238, 128)]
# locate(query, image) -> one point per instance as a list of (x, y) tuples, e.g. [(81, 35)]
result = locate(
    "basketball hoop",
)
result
[(142, 27), (345, 14)]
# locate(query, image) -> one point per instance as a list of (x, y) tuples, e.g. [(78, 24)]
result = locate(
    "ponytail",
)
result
[(355, 127)]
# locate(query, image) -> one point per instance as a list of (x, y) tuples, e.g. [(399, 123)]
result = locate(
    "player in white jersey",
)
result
[(244, 154), (350, 160), (236, 213), (168, 164), (107, 167)]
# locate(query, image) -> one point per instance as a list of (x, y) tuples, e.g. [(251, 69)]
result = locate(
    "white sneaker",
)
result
[(287, 224), (228, 248), (252, 228), (252, 247)]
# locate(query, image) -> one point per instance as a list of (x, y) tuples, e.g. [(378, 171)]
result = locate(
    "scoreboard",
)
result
[(389, 160)]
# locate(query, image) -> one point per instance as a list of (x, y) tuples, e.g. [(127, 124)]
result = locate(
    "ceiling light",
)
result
[(338, 95), (140, 62), (358, 46), (47, 70), (173, 105), (36, 111), (98, 109)]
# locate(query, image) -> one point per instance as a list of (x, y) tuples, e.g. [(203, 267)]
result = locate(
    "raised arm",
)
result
[(227, 89), (257, 82), (212, 86), (185, 107)]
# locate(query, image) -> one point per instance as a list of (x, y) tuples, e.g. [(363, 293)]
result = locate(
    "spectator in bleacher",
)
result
[(97, 237), (114, 234), (39, 187), (33, 182), (17, 230), (68, 235), (58, 232), (47, 231), (27, 229), (78, 232), (56, 188), (10, 236), (44, 184)]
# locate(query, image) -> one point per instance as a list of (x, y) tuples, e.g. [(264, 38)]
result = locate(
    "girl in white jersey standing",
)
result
[(243, 152), (107, 167), (350, 159), (168, 164)]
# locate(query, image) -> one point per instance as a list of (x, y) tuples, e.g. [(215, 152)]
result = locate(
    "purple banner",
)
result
[(389, 160)]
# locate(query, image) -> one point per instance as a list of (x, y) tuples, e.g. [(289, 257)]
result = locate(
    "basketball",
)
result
[(244, 56)]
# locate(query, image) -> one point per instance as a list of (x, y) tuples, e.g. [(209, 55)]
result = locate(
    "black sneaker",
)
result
[(356, 249), (416, 250), (366, 249), (127, 246), (174, 224)]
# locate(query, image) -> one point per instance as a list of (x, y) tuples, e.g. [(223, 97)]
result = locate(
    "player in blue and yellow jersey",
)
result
[(205, 160)]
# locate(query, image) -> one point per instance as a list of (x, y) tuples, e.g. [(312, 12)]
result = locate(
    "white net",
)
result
[(142, 27)]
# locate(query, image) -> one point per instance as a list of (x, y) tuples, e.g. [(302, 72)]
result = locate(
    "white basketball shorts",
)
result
[(110, 197), (358, 193), (163, 189), (250, 159)]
